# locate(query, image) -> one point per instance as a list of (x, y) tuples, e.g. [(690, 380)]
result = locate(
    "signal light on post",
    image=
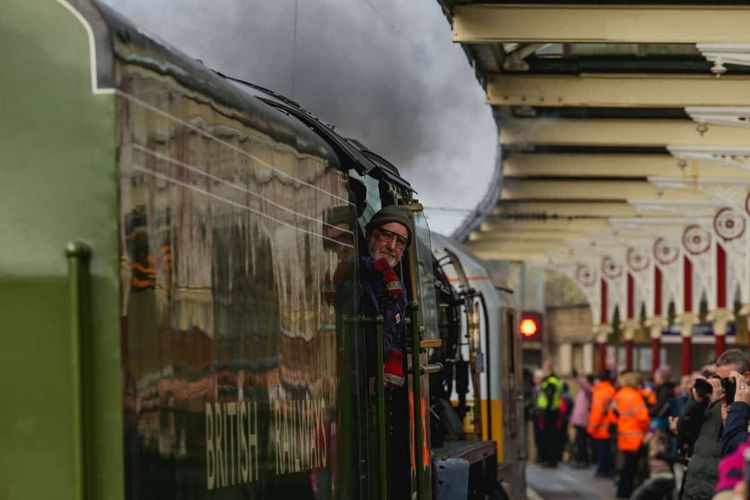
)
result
[(530, 326)]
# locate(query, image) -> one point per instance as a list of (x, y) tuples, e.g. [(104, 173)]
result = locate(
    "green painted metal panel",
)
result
[(34, 420), (57, 184)]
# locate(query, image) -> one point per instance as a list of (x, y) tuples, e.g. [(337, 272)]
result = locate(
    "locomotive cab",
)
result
[(396, 419)]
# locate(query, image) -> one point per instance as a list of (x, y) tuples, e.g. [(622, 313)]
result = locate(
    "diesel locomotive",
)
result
[(179, 294)]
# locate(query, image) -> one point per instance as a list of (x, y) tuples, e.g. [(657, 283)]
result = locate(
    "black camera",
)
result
[(703, 387), (730, 387)]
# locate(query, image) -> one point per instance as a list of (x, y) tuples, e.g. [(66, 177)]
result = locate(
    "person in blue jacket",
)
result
[(738, 414)]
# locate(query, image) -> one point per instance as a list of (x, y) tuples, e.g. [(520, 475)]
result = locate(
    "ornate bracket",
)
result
[(686, 322), (725, 53), (729, 191), (737, 156), (725, 115), (588, 278), (655, 325), (641, 265), (614, 273), (700, 248), (667, 254), (720, 319), (730, 227)]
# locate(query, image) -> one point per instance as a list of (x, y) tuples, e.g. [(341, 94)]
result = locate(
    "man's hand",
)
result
[(740, 490), (673, 424), (718, 391), (743, 390)]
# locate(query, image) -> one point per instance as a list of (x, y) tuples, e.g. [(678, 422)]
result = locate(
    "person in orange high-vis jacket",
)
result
[(633, 420), (602, 397), (649, 396)]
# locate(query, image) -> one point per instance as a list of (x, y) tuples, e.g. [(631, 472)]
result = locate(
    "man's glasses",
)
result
[(390, 236)]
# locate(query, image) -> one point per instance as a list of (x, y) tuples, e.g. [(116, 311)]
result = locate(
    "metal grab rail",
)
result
[(379, 398), (431, 368), (431, 343), (416, 372), (380, 402), (78, 255)]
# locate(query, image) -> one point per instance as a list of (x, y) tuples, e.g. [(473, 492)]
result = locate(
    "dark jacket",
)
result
[(699, 430), (375, 302), (663, 394), (735, 427)]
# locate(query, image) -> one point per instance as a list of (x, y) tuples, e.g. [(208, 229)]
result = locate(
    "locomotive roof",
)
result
[(270, 112), (363, 160)]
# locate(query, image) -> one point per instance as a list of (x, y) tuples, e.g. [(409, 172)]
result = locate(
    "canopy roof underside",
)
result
[(608, 113)]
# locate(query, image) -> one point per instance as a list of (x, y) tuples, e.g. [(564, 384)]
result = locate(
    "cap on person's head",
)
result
[(392, 213)]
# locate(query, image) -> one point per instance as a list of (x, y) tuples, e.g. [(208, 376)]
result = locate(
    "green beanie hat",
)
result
[(392, 213)]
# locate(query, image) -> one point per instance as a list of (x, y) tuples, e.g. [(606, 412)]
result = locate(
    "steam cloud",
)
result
[(383, 71)]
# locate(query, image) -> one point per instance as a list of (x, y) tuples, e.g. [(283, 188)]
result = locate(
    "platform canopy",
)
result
[(616, 122)]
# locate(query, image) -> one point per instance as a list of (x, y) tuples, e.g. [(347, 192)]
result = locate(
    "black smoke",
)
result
[(383, 71)]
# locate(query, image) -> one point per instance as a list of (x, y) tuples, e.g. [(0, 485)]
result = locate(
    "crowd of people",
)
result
[(656, 439)]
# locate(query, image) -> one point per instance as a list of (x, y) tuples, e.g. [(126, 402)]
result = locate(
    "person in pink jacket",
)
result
[(579, 418)]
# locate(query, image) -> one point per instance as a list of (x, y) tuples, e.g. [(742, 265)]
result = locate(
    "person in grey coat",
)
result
[(700, 429)]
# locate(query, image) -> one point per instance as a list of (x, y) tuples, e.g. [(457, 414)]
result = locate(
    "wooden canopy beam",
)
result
[(521, 210), (605, 90), (541, 226), (609, 132), (525, 255), (529, 234), (511, 245), (500, 23), (610, 165), (590, 190)]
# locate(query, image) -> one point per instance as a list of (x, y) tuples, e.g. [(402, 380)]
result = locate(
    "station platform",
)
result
[(566, 482)]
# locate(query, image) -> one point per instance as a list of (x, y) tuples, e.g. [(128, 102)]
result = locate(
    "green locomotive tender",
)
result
[(173, 327)]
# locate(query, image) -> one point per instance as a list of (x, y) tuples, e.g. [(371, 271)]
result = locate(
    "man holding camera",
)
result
[(738, 412), (700, 427)]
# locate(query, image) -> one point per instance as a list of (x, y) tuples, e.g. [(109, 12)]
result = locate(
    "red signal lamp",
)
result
[(529, 327)]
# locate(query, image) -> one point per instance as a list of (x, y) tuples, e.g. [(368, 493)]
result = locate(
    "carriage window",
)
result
[(368, 188), (426, 277)]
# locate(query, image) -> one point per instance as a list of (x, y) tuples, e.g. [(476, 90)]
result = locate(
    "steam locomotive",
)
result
[(174, 327)]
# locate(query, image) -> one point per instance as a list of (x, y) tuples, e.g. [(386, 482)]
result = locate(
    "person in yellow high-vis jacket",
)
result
[(547, 405)]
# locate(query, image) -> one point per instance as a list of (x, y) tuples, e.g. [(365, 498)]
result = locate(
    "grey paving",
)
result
[(565, 482)]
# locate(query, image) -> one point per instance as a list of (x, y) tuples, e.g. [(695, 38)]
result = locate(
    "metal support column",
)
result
[(78, 255), (629, 355)]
